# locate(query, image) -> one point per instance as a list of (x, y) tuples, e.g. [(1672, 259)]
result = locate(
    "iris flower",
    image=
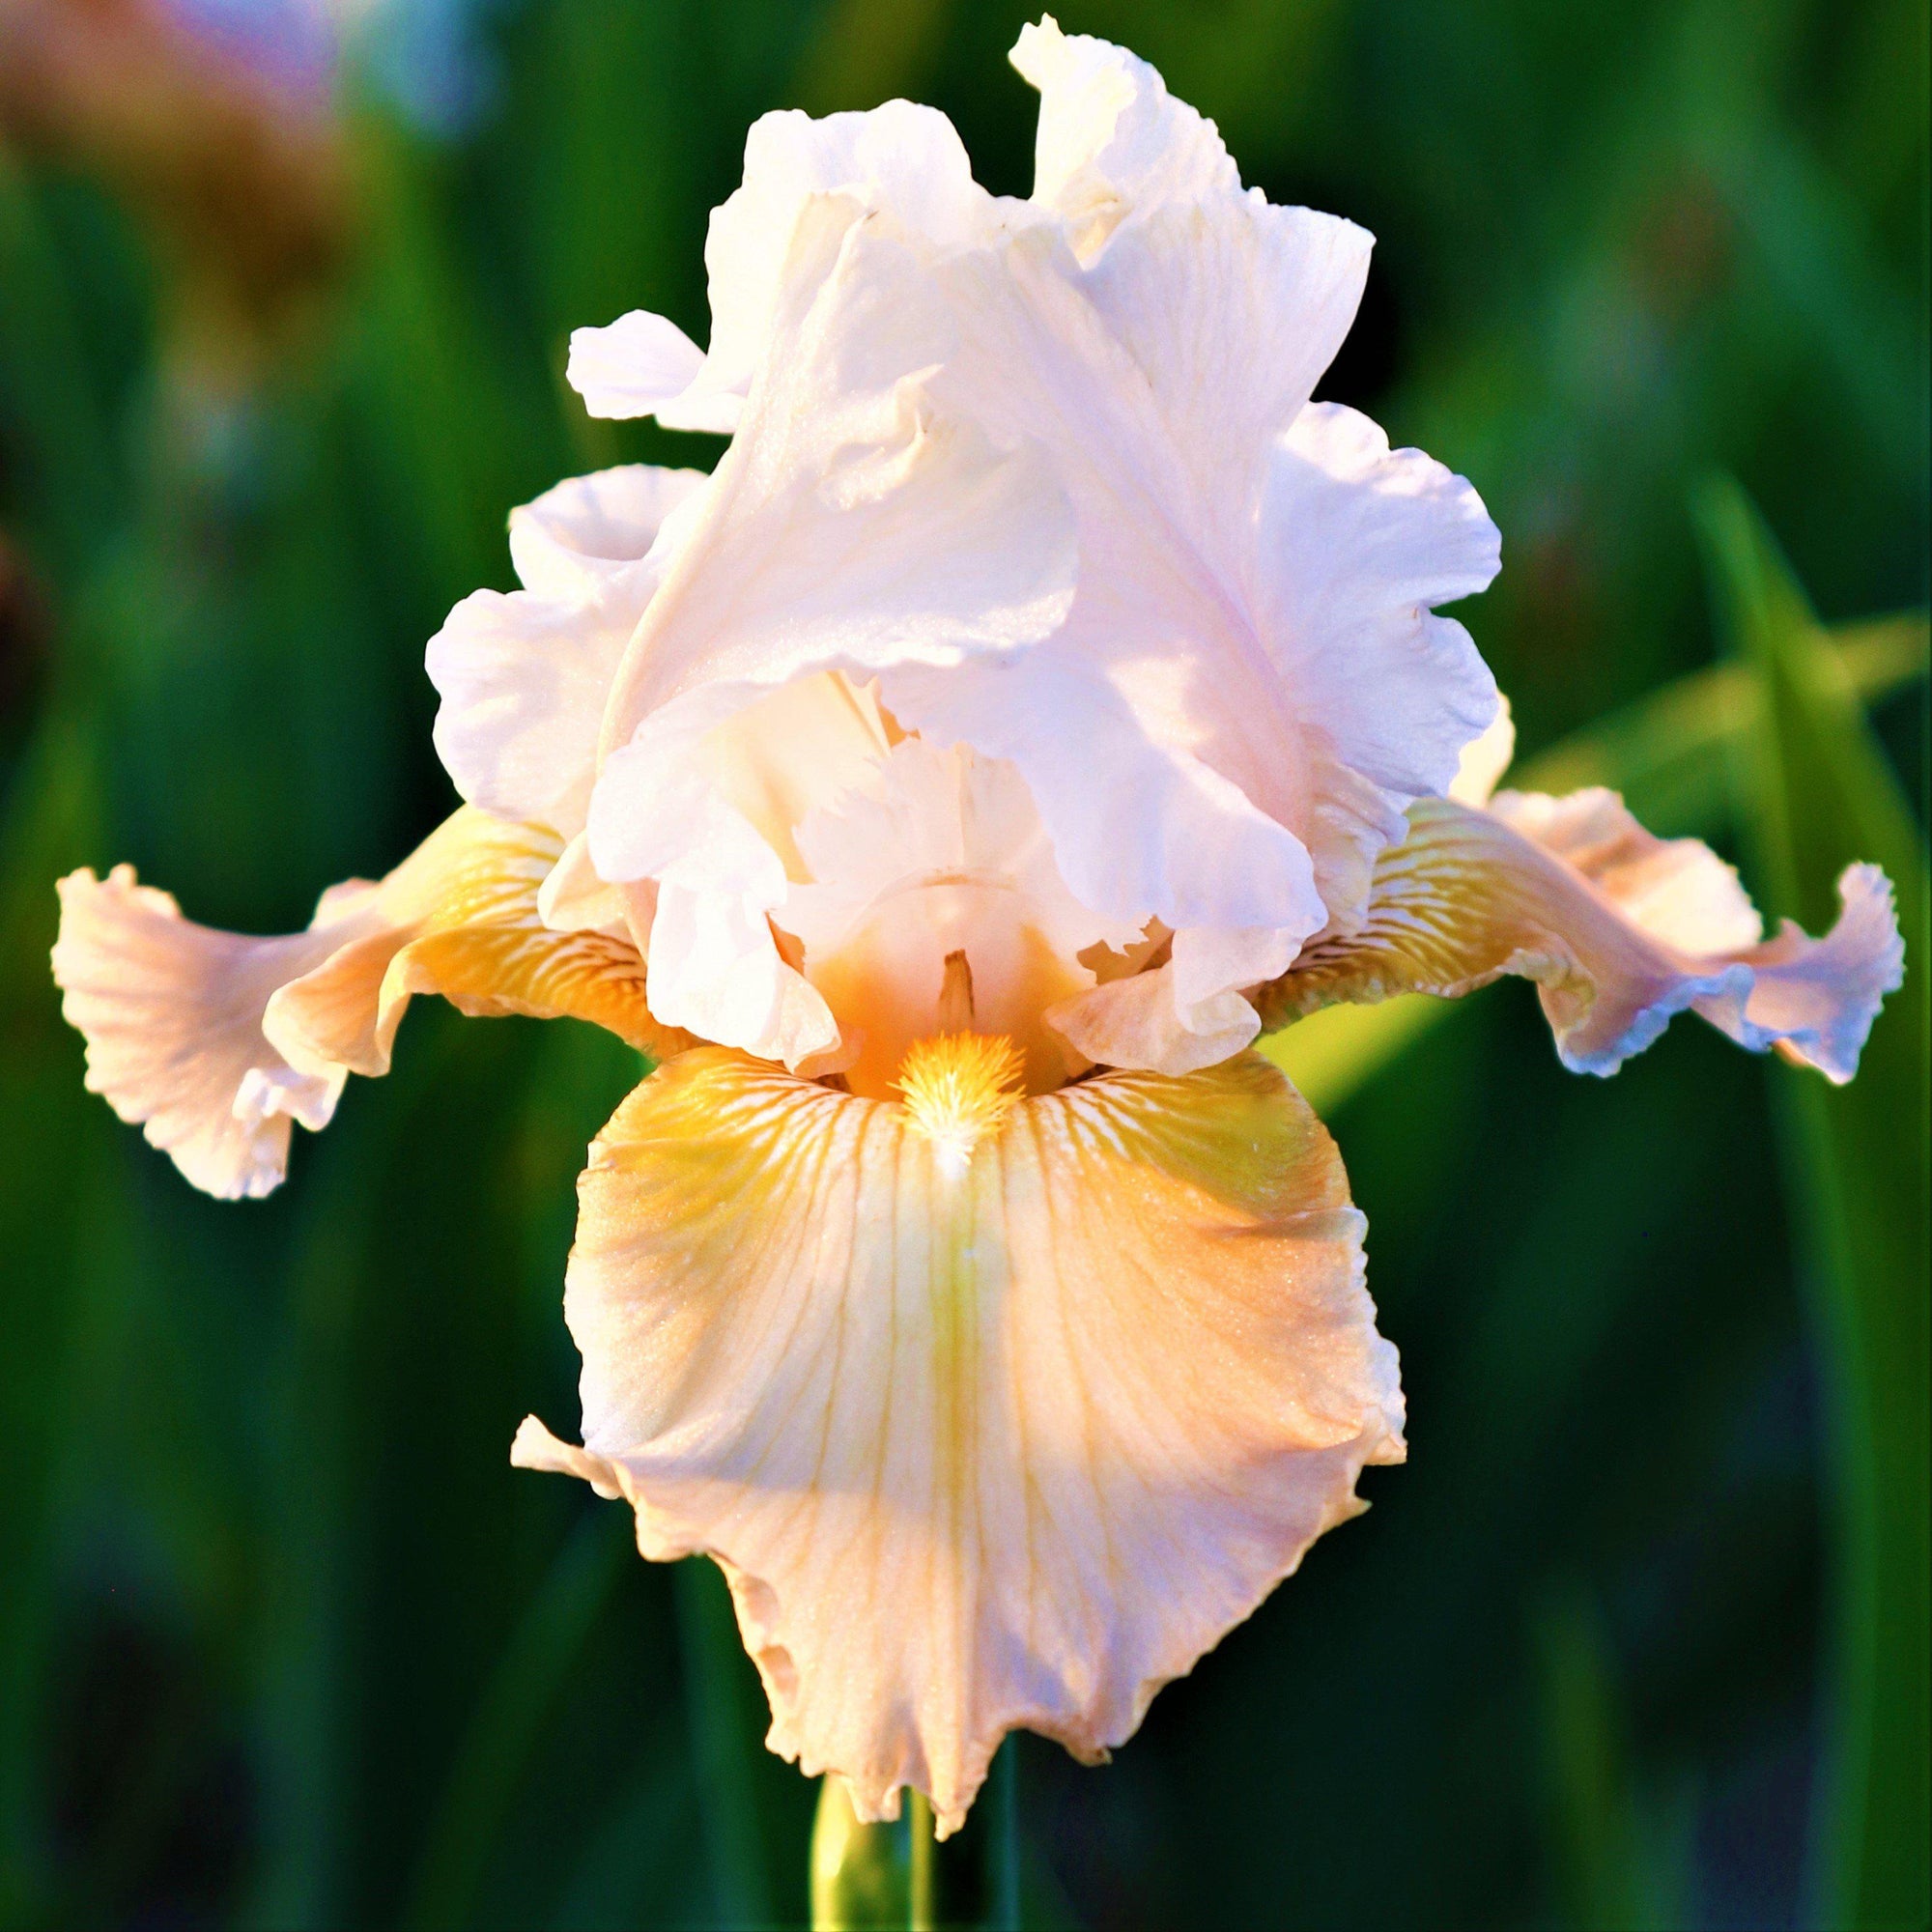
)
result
[(1042, 696)]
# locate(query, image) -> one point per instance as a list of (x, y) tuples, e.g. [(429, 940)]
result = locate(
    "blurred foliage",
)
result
[(283, 1640)]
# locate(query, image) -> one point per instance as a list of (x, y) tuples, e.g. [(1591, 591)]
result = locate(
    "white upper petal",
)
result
[(573, 540), (900, 158), (951, 406), (1111, 138), (635, 367), (851, 525), (523, 677), (1357, 542)]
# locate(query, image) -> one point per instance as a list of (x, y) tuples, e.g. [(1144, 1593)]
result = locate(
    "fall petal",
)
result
[(460, 920), (214, 1041), (1009, 1448), (172, 1015), (1619, 929)]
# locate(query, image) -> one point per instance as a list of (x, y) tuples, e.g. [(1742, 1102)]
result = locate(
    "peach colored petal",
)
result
[(214, 1041), (461, 919), (983, 1441), (1621, 930)]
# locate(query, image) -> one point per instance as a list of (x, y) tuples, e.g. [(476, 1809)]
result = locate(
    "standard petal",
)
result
[(1619, 931), (899, 158), (1253, 593), (1359, 542), (214, 1041), (523, 677), (850, 525), (1485, 760), (1008, 1449), (569, 542), (1111, 139), (635, 367)]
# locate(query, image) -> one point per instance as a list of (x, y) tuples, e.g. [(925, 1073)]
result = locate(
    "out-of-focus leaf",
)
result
[(1620, 1863), (44, 384), (494, 1754), (1668, 754), (725, 1702), (1818, 792), (1335, 1052)]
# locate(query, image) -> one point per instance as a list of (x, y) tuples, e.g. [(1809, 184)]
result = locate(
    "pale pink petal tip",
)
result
[(1814, 999), (172, 1015)]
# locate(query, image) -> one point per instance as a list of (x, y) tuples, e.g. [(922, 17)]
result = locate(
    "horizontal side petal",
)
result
[(981, 1446), (214, 1041), (462, 919), (1601, 927), (172, 1015)]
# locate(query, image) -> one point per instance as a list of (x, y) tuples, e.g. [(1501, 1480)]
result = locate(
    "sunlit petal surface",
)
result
[(1006, 1445)]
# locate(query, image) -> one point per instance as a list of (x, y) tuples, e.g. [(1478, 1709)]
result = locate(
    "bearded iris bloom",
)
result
[(1042, 696)]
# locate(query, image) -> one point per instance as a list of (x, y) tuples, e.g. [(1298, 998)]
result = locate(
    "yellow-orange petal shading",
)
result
[(1006, 1449)]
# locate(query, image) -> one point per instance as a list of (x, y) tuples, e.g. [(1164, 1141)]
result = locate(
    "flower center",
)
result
[(959, 1088)]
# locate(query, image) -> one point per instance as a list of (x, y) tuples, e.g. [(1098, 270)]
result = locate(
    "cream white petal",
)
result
[(717, 972), (1111, 139), (172, 1015), (1266, 622), (1618, 936), (1008, 1449), (899, 158), (849, 524), (1141, 827), (1485, 760), (573, 899), (1185, 1013), (525, 677), (1357, 543), (1230, 310), (569, 542), (523, 683), (635, 367), (902, 160), (936, 854)]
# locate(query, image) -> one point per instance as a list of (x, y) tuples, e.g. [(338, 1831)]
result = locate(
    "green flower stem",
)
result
[(921, 1888)]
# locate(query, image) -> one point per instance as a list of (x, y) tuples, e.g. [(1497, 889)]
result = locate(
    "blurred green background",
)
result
[(1637, 1637)]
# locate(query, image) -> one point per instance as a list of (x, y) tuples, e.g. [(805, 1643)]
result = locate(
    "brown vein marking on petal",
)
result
[(1599, 924), (1007, 1448)]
